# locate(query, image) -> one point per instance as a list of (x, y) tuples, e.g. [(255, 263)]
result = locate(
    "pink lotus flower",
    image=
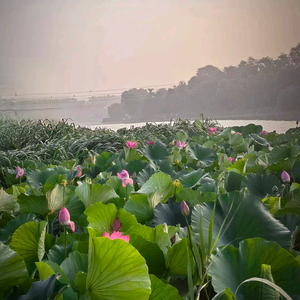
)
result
[(264, 133), (78, 168), (117, 225), (124, 176), (285, 177), (64, 218), (239, 133), (149, 142), (180, 144), (131, 144), (230, 159), (212, 130), (19, 172), (185, 210), (117, 235)]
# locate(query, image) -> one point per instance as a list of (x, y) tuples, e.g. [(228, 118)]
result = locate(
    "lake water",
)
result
[(268, 125)]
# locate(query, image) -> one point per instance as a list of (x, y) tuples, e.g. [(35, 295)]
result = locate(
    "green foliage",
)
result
[(232, 208)]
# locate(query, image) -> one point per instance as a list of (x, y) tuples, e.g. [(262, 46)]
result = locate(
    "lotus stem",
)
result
[(65, 241)]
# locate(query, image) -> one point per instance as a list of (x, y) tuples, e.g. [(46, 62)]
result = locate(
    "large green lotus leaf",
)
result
[(296, 168), (135, 166), (193, 197), (160, 235), (151, 252), (266, 291), (259, 141), (75, 206), (57, 253), (93, 193), (160, 183), (126, 219), (33, 204), (55, 198), (116, 271), (15, 191), (231, 266), (191, 179), (238, 142), (74, 263), (170, 214), (7, 202), (14, 224), (37, 178), (42, 289), (101, 216), (80, 282), (48, 268), (50, 240), (29, 241), (225, 133), (247, 218), (53, 180), (103, 160), (139, 206), (224, 295), (261, 185), (232, 181), (157, 151), (12, 269), (116, 184), (165, 167), (162, 291), (283, 164), (239, 165), (177, 259), (204, 155), (131, 154), (145, 174), (251, 129), (292, 206), (282, 152)]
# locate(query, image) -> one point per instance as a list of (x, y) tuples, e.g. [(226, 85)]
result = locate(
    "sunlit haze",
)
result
[(70, 45)]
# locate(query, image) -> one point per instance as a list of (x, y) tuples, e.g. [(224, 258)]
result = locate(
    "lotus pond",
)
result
[(189, 210)]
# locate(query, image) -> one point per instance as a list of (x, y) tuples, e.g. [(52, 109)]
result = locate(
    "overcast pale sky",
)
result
[(71, 45)]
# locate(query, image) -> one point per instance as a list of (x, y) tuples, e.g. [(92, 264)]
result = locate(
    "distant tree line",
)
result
[(257, 88)]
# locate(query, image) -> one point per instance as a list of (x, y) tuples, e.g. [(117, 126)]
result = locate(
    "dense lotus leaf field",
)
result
[(187, 210)]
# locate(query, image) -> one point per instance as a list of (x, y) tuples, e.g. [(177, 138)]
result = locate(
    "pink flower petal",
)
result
[(116, 235), (72, 225)]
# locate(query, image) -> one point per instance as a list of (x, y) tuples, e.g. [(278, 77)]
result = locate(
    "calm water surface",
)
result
[(268, 125)]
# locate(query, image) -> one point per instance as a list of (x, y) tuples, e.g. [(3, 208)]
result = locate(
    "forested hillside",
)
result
[(262, 88)]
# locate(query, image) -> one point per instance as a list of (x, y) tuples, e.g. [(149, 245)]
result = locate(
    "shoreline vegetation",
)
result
[(265, 88), (261, 89)]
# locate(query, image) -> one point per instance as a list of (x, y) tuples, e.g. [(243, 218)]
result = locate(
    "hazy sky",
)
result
[(71, 45)]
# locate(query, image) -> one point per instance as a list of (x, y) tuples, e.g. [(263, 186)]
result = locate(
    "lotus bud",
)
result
[(285, 177), (185, 210), (64, 217), (264, 133), (222, 158), (117, 225), (149, 142), (230, 159)]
